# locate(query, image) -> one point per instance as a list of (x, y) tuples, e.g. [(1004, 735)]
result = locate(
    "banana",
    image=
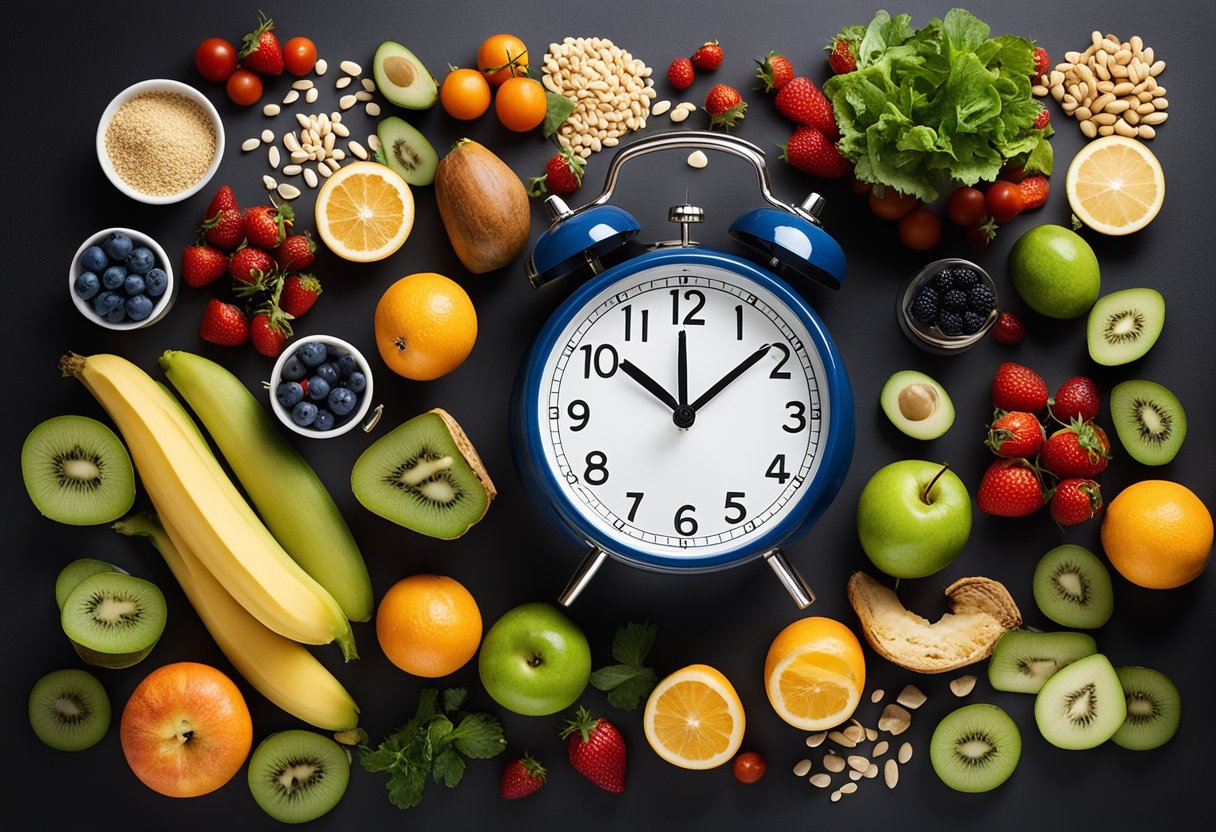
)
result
[(287, 493), (280, 669), (194, 496)]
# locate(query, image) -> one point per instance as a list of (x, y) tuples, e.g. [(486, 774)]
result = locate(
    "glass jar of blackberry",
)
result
[(947, 306)]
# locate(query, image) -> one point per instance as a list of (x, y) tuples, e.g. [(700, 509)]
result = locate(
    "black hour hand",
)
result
[(651, 386), (726, 380)]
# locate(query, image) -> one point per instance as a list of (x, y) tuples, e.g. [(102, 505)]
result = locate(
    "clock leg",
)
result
[(582, 576), (790, 578)]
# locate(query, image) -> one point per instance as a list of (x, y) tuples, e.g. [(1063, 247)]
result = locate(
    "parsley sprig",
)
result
[(629, 682)]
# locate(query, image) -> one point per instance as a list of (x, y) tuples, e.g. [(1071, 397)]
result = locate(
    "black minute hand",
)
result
[(652, 386), (726, 380)]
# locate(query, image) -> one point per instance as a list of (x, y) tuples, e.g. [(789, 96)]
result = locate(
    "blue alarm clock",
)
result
[(684, 409)]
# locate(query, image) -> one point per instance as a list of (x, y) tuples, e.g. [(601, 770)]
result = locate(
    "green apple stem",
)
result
[(929, 488)]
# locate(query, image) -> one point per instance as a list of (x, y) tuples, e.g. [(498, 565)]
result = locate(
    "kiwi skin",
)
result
[(69, 710), (77, 471), (1154, 709), (975, 748), (1149, 420), (298, 776), (1072, 587)]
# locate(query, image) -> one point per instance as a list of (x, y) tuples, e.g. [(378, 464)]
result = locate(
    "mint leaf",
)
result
[(453, 699), (630, 681), (633, 641), (607, 678), (437, 733), (557, 109), (405, 786), (478, 736), (448, 768), (630, 693)]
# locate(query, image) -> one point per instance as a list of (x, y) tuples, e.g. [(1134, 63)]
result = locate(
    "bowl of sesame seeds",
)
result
[(160, 141)]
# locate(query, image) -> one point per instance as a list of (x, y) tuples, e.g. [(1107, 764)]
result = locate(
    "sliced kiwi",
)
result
[(1149, 419), (69, 710), (1124, 325), (1082, 706), (975, 748), (1154, 709), (425, 475), (407, 151), (113, 619), (917, 405), (77, 471), (297, 776), (77, 571), (1023, 661), (1072, 587)]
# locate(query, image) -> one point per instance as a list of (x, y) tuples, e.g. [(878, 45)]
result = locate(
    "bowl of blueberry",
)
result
[(121, 279), (947, 306), (321, 387)]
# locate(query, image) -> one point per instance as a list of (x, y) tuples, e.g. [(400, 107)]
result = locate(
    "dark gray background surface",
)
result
[(61, 73)]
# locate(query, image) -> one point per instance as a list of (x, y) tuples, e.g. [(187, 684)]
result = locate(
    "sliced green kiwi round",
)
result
[(297, 776), (77, 571), (1072, 587), (1154, 709), (114, 620), (1124, 325), (975, 748), (69, 710), (1082, 705), (424, 475), (407, 151), (1023, 661), (77, 471), (1149, 419)]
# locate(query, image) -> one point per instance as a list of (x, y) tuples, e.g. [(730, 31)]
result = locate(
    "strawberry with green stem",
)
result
[(521, 777), (1081, 450), (804, 103), (266, 225), (708, 56), (1010, 488), (810, 151), (296, 253), (1016, 434), (842, 49), (260, 49), (596, 750), (224, 324), (300, 292), (725, 106), (270, 327), (563, 175), (774, 72), (1076, 501)]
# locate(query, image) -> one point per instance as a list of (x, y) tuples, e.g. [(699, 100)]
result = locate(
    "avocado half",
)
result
[(917, 405), (402, 78)]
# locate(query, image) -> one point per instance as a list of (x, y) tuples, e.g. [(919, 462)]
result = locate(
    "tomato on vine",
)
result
[(502, 57)]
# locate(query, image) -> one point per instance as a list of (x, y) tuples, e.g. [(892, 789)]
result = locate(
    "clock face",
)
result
[(614, 411)]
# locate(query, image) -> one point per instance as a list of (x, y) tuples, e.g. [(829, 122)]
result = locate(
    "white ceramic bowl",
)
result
[(160, 306), (153, 85), (930, 338), (334, 345)]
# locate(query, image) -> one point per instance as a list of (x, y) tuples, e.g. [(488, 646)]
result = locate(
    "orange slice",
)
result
[(694, 718), (364, 212), (1115, 185), (814, 673)]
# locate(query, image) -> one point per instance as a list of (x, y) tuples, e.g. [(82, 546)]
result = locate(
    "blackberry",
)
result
[(924, 306), (973, 322), (955, 300), (965, 277), (950, 323), (981, 299), (943, 281)]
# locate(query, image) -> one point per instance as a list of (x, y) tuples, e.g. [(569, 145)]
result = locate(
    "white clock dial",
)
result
[(634, 474)]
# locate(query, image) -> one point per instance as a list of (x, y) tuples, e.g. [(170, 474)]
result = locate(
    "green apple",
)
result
[(1055, 271), (913, 518), (535, 660)]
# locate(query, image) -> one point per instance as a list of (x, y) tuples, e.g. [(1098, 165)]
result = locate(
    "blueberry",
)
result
[(117, 245), (981, 299), (156, 282), (118, 314), (139, 307), (955, 300), (357, 382), (924, 306), (133, 285), (342, 400), (93, 259), (324, 420), (346, 365), (294, 369), (87, 285), (140, 260), (106, 302), (304, 413), (329, 372), (973, 322), (289, 394), (114, 277), (318, 388), (313, 354)]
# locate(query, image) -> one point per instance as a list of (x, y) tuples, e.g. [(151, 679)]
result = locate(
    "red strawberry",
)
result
[(299, 293), (224, 198), (1042, 119), (1042, 63), (724, 105), (803, 102), (841, 57), (521, 778), (980, 234), (224, 228), (251, 265), (775, 71), (224, 324), (563, 175), (266, 225), (260, 50), (1079, 450), (1015, 387), (1016, 434), (1075, 501), (296, 252), (1008, 329), (1010, 488), (1077, 398), (812, 152), (597, 750), (709, 56), (269, 331), (202, 264), (681, 74), (1034, 191)]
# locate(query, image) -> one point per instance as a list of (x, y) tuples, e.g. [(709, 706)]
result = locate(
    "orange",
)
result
[(694, 718), (521, 104), (1158, 534), (814, 673), (364, 212), (425, 326), (1115, 185), (465, 94), (428, 625)]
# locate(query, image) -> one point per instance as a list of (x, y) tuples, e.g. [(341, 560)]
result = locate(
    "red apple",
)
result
[(186, 730)]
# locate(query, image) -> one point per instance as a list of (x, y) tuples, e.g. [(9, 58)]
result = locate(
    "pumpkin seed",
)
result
[(251, 144), (858, 762), (880, 748), (346, 102), (848, 788), (288, 191), (816, 740), (802, 768), (911, 697), (269, 182), (821, 781), (877, 695), (962, 686), (894, 719), (322, 66), (302, 84), (836, 796), (890, 773), (841, 739), (342, 83), (660, 107), (310, 177), (871, 771), (833, 763), (291, 170), (271, 110), (272, 156), (854, 774), (372, 109), (292, 97), (311, 95), (369, 84), (905, 752), (357, 149), (350, 68)]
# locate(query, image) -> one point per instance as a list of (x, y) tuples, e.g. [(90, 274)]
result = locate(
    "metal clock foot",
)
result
[(582, 576), (790, 578)]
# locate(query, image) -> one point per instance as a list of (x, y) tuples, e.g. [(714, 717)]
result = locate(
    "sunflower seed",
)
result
[(269, 182), (322, 66), (288, 191), (858, 762), (962, 686), (911, 697), (802, 768), (357, 149), (894, 719), (342, 83), (310, 177), (821, 781), (271, 110), (880, 748), (905, 752), (291, 170), (833, 763), (841, 739), (272, 156), (816, 740), (250, 144), (890, 773), (351, 68), (877, 695)]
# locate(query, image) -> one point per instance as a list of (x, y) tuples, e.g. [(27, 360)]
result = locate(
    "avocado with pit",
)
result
[(402, 78), (917, 405)]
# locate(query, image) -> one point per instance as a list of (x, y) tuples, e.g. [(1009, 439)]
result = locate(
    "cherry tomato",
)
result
[(501, 57), (465, 94), (244, 87), (965, 206), (1004, 201), (215, 59), (749, 767), (920, 229), (861, 187), (521, 104), (299, 56), (892, 205)]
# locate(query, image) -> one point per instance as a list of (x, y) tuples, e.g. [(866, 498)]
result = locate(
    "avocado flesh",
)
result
[(403, 79)]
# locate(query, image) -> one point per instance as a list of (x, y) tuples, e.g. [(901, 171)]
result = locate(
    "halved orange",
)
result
[(814, 673), (364, 212), (1115, 185), (694, 718)]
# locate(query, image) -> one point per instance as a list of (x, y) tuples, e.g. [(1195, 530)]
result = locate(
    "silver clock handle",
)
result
[(582, 576), (790, 578)]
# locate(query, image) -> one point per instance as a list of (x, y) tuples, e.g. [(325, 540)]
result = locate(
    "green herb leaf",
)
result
[(632, 642), (630, 681), (405, 786), (448, 768), (479, 736), (454, 699), (557, 109), (629, 694)]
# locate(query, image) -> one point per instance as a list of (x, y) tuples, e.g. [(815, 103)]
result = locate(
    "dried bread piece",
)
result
[(981, 610)]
